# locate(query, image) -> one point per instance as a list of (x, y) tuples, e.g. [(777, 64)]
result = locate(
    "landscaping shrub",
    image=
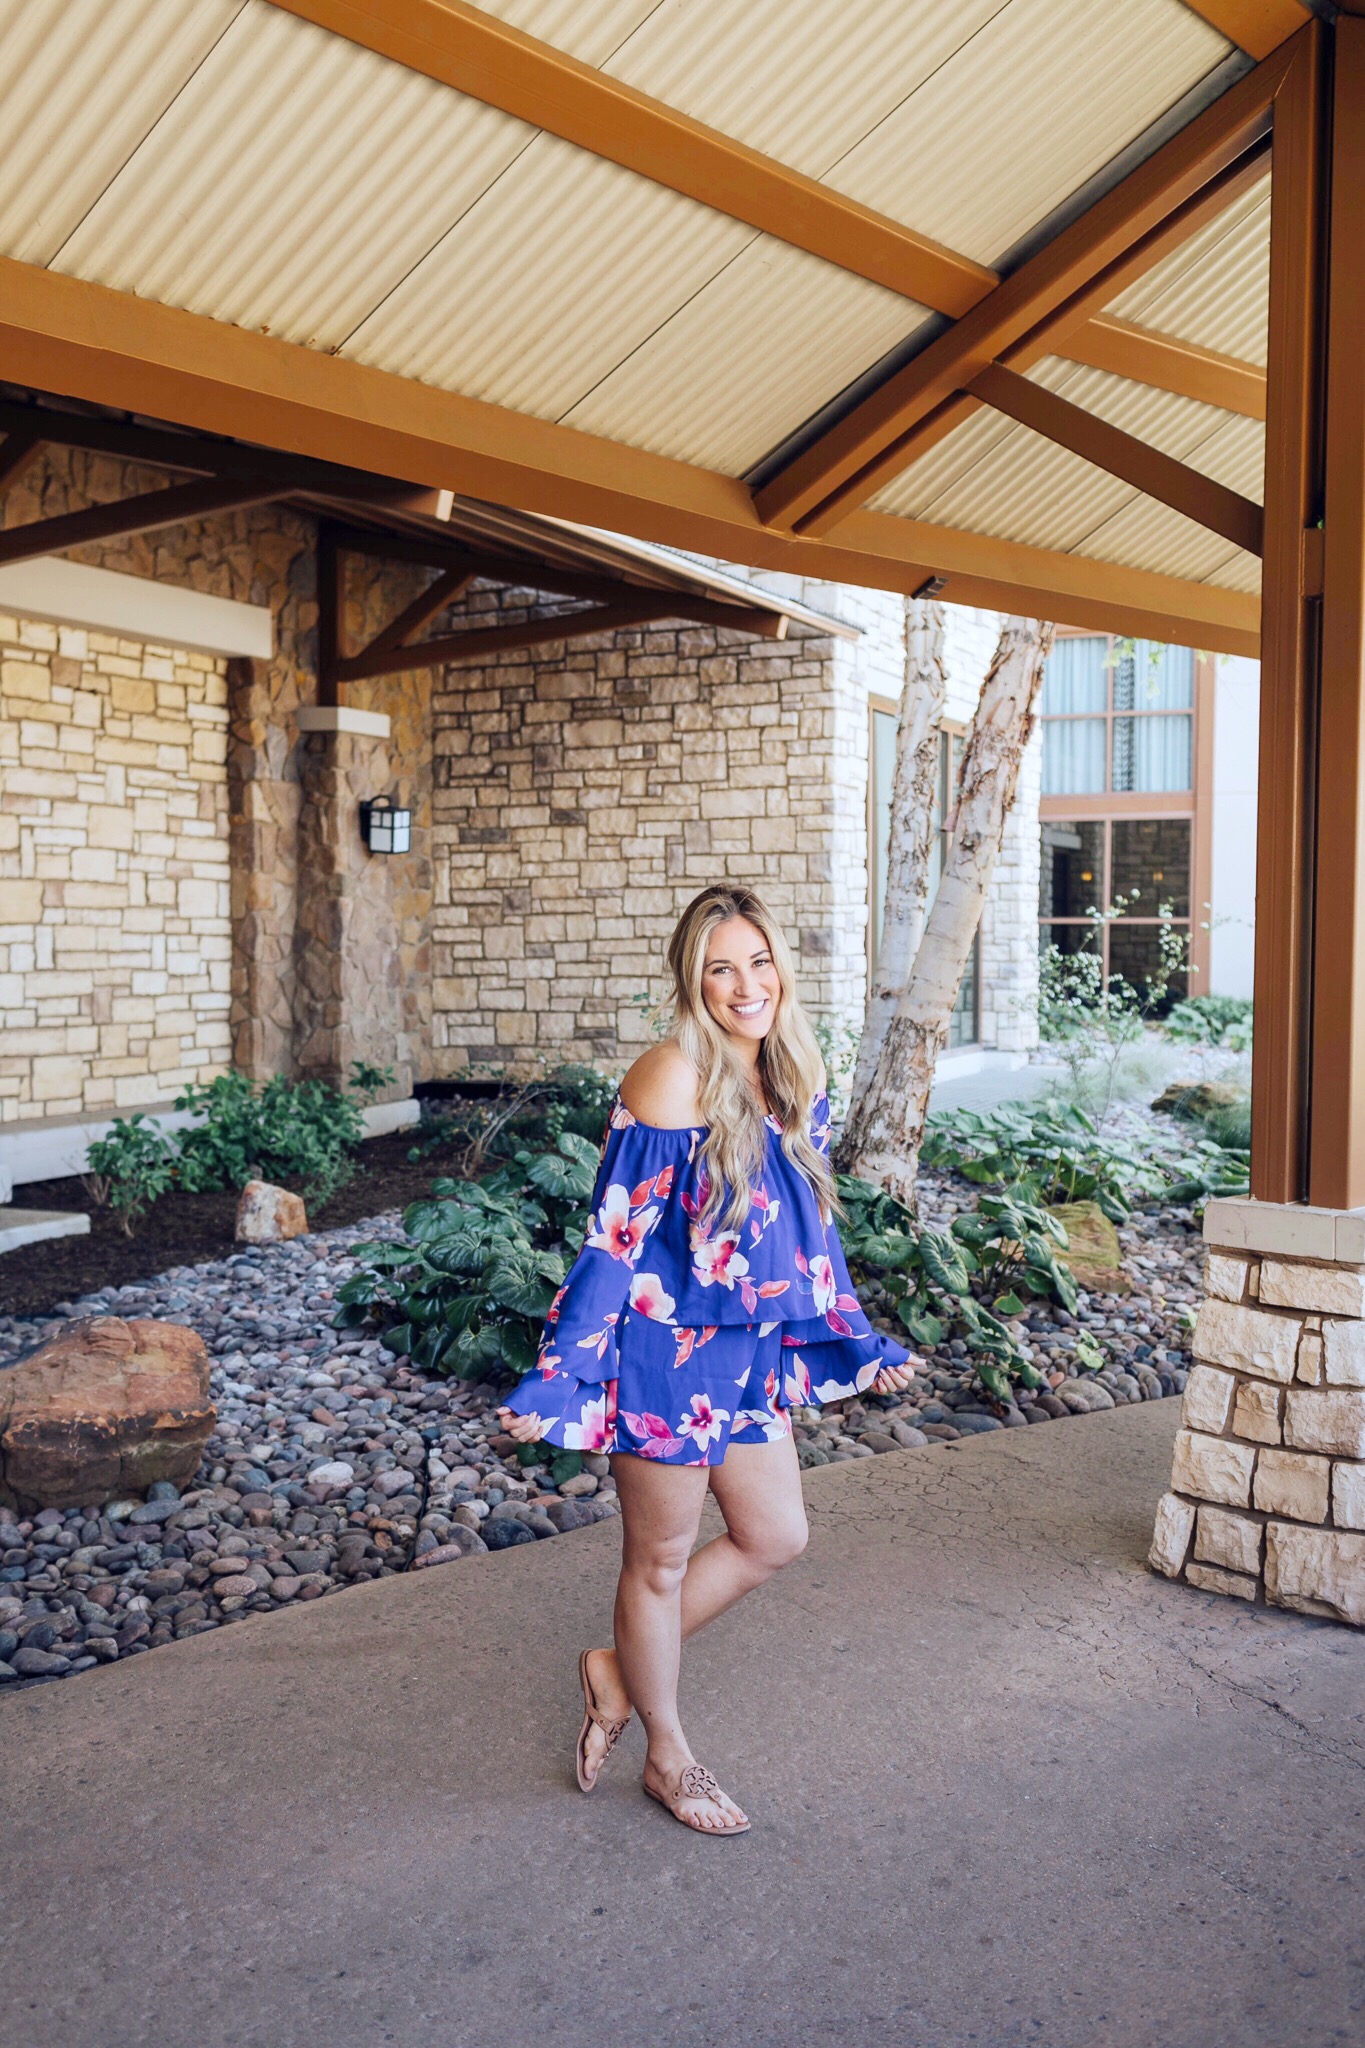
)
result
[(298, 1133), (1054, 1149), (130, 1168), (1212, 1021), (938, 1280), (469, 1291), (527, 1112), (1094, 1022)]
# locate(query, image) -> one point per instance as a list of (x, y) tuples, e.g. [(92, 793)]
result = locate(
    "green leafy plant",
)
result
[(130, 1168), (1053, 1149), (1210, 1021), (299, 1133), (527, 1110), (937, 1279), (468, 1290), (1090, 1019), (838, 1043)]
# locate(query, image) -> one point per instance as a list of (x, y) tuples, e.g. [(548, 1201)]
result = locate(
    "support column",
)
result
[(1267, 1494), (348, 970), (263, 811)]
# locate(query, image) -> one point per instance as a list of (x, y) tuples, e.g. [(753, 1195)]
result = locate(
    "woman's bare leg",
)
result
[(660, 1509), (758, 1490)]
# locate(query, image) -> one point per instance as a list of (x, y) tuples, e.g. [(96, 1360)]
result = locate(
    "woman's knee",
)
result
[(774, 1543), (659, 1564)]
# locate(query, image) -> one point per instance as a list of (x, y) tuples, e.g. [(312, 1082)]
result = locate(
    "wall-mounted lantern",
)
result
[(386, 828)]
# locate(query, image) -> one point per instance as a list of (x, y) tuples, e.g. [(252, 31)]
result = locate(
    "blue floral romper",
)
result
[(671, 1339)]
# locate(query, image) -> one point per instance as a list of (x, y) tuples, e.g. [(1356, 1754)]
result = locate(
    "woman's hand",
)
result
[(527, 1429), (894, 1379)]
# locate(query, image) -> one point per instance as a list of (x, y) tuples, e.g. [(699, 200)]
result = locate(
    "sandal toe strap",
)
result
[(697, 1783)]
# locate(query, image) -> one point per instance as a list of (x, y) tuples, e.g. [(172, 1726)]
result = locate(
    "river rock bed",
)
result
[(333, 1462)]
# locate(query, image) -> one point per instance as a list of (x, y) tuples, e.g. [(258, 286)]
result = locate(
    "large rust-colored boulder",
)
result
[(106, 1409), (1092, 1248), (266, 1214)]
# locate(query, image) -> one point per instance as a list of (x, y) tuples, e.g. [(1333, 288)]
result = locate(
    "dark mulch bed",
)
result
[(184, 1230)]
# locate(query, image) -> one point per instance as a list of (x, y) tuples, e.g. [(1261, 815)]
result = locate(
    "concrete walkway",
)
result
[(1007, 1788)]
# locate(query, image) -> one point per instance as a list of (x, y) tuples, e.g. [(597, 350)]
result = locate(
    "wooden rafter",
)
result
[(145, 513), (1074, 321), (111, 348), (478, 643), (450, 584), (862, 451), (477, 54), (1169, 364), (1256, 26), (1147, 469)]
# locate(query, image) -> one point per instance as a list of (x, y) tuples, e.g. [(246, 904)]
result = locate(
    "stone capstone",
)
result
[(266, 1214), (1251, 1340), (105, 1409)]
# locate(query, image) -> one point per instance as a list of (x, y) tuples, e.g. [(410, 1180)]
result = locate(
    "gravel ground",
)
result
[(332, 1462)]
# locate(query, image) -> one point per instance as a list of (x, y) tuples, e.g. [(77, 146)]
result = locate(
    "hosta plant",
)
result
[(468, 1289)]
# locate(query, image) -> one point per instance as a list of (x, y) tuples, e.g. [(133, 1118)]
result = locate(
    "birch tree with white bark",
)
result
[(882, 1137), (913, 782)]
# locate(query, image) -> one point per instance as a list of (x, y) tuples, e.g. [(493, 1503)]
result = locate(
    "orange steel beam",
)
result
[(1055, 334), (1290, 631), (474, 52), (143, 514), (1336, 1154), (1163, 360), (861, 452), (111, 348), (1256, 26), (1123, 455)]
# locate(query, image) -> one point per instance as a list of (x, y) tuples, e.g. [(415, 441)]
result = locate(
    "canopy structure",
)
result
[(999, 298)]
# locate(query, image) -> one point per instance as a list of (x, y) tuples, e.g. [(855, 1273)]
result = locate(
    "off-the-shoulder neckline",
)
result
[(695, 1130)]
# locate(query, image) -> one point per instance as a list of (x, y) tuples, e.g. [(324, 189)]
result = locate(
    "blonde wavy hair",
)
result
[(789, 1063)]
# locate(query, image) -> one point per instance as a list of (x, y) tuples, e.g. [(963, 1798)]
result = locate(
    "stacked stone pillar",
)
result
[(1267, 1496)]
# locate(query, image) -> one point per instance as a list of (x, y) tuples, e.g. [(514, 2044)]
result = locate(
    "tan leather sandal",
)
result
[(593, 1717), (696, 1782)]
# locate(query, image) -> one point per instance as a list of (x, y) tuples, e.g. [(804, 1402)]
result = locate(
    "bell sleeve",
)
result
[(577, 1356)]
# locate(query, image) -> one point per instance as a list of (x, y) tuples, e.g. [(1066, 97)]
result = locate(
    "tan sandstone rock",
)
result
[(1257, 1411), (1348, 1494), (1207, 1402), (1211, 1578), (1292, 1483), (1228, 1277), (1171, 1537), (106, 1408), (1326, 1419), (1316, 1571), (1343, 1354), (1331, 1290), (1213, 1468), (1224, 1538), (265, 1214), (1254, 1340)]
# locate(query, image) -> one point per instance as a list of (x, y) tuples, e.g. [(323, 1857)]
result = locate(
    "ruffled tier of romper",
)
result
[(646, 1254)]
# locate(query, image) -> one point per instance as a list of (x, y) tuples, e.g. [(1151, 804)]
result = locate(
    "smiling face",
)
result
[(740, 983)]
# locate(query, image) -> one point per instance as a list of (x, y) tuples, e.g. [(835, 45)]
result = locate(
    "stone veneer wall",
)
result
[(585, 793), (299, 999), (115, 941), (1267, 1494)]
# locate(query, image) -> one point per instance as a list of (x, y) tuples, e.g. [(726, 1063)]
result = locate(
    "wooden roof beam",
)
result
[(1167, 363), (1256, 26), (1123, 455), (857, 455), (146, 513), (475, 53), (22, 446)]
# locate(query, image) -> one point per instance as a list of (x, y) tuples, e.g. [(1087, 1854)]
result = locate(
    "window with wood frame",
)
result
[(965, 1025), (1126, 755)]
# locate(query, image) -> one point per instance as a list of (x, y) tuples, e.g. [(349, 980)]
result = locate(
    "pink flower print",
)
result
[(796, 1384), (686, 1341), (703, 1424), (823, 1283), (656, 1439), (593, 1432), (647, 1298), (618, 1231), (718, 1262)]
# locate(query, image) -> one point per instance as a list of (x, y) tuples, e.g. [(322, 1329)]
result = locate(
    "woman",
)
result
[(710, 1297)]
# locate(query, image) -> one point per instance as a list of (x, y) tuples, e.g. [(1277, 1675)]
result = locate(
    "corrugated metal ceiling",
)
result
[(1214, 290)]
